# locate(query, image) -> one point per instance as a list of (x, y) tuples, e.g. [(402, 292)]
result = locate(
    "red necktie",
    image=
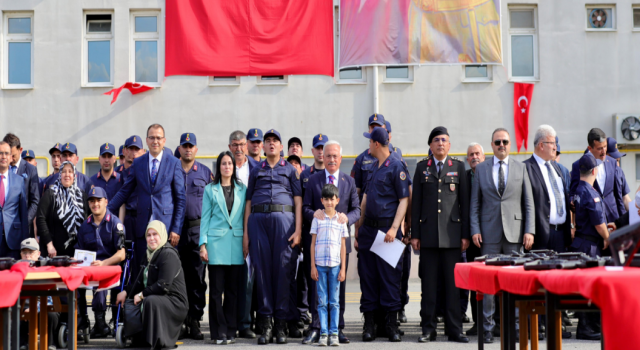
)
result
[(331, 179), (1, 190)]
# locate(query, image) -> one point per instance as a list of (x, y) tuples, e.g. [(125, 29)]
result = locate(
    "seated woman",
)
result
[(161, 289), (221, 230)]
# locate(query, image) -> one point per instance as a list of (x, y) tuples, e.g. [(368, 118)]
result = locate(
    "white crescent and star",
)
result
[(526, 103)]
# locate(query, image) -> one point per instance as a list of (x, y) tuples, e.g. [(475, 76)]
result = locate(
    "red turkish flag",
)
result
[(521, 106), (135, 88), (249, 37)]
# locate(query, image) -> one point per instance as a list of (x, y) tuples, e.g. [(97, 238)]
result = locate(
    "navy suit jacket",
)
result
[(15, 216), (32, 183), (349, 201), (611, 195), (542, 205), (166, 200)]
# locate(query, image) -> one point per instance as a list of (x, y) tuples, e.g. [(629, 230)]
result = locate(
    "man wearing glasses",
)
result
[(502, 210)]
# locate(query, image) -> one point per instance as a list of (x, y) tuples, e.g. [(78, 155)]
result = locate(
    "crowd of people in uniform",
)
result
[(275, 234)]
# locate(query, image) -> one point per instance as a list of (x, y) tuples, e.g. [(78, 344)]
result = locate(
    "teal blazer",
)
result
[(220, 231)]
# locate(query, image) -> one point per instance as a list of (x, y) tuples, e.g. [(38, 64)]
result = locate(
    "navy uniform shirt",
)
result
[(305, 175), (277, 185), (195, 181), (105, 239), (363, 166), (111, 187), (590, 210)]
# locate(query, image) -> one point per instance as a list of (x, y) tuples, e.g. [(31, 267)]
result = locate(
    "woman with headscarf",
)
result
[(161, 289), (61, 210)]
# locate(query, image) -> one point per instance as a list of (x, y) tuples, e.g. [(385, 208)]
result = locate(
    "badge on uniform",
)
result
[(452, 187), (282, 162), (455, 173), (108, 218), (195, 166), (387, 162), (429, 162), (403, 176), (263, 164), (297, 176), (597, 200), (450, 162), (120, 227)]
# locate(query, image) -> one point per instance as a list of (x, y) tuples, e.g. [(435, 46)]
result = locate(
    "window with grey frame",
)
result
[(19, 50), (523, 43), (145, 42)]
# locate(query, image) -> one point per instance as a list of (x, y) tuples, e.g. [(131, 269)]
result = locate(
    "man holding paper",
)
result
[(384, 205), (440, 226)]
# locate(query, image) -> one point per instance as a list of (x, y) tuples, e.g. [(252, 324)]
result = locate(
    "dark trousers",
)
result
[(556, 241), (431, 261), (99, 303), (52, 323), (5, 251), (294, 313), (302, 294), (194, 271), (223, 317), (379, 282), (245, 292), (406, 271)]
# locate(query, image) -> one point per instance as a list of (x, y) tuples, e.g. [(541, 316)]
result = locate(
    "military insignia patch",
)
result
[(387, 163), (403, 176), (297, 176), (455, 173), (450, 162), (597, 200), (120, 227), (187, 138), (195, 167), (106, 145), (452, 187), (320, 138)]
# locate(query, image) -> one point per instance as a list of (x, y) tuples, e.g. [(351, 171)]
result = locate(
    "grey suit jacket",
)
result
[(512, 214)]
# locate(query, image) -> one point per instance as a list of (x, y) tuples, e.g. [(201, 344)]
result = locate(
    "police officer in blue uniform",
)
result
[(55, 153), (294, 147), (363, 164), (69, 152), (385, 206), (29, 156), (102, 233), (621, 182), (106, 178), (592, 233), (196, 177), (254, 144), (273, 225), (121, 155)]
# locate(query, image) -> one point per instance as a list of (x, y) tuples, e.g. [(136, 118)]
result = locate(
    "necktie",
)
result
[(556, 191), (439, 168), (1, 190), (14, 169), (501, 184), (154, 171), (331, 178)]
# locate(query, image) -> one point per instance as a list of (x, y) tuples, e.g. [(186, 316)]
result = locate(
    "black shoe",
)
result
[(460, 338), (312, 337), (465, 319), (369, 329), (194, 329), (267, 330), (496, 331), (392, 327), (101, 328), (488, 337), (424, 338), (246, 333), (343, 338), (566, 335), (402, 317), (294, 330), (588, 334), (473, 330), (280, 331)]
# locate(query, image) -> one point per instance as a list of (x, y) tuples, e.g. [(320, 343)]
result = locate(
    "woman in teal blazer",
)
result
[(221, 230)]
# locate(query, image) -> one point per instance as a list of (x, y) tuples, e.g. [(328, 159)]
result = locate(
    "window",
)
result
[(273, 80), (224, 81), (351, 75), (146, 48), (636, 18), (97, 61), (477, 74), (18, 50), (600, 18), (523, 41), (398, 74)]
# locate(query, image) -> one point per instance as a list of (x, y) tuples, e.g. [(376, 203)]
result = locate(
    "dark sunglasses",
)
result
[(504, 142)]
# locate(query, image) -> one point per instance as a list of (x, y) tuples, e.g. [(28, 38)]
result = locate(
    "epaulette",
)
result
[(423, 160), (456, 159)]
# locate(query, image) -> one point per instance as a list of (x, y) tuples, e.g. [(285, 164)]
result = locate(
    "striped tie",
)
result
[(331, 178), (154, 171), (556, 190)]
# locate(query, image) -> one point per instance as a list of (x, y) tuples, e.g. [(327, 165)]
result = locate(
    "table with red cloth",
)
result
[(30, 282), (613, 289)]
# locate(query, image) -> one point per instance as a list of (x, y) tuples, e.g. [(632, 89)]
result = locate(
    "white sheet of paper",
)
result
[(389, 252), (634, 218), (87, 257)]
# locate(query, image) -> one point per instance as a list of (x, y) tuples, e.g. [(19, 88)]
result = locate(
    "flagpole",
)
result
[(376, 92)]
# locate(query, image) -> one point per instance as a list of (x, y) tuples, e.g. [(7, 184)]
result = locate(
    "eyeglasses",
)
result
[(155, 138), (549, 143), (504, 142), (236, 145), (438, 139)]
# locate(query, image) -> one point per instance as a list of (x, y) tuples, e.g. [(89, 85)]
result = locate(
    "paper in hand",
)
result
[(85, 256), (389, 252)]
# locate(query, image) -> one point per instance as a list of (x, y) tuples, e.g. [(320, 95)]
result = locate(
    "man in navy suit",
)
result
[(28, 172), (608, 175), (156, 178), (349, 212), (14, 224)]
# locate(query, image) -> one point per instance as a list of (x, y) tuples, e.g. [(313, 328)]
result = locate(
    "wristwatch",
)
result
[(573, 226), (140, 295)]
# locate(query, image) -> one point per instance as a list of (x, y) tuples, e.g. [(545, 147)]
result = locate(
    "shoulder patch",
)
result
[(423, 160), (456, 159), (403, 176), (120, 227)]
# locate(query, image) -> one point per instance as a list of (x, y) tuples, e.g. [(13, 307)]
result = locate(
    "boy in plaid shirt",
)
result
[(328, 256)]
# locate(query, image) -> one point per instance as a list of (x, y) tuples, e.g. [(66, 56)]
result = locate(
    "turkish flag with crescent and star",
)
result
[(521, 106)]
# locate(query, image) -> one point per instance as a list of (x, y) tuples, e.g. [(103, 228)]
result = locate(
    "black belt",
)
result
[(589, 238), (132, 212), (272, 208), (193, 223), (559, 227), (379, 222)]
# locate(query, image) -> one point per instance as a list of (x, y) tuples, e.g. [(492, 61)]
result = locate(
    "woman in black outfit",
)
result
[(161, 289)]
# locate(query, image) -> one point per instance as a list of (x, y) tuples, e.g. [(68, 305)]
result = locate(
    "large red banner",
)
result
[(249, 37)]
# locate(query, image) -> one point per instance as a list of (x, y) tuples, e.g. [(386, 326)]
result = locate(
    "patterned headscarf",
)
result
[(69, 204)]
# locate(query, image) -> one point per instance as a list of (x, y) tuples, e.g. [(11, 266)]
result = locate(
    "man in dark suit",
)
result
[(156, 178), (30, 175), (440, 226), (14, 224), (349, 213)]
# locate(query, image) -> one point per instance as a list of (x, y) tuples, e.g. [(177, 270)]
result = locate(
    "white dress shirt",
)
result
[(601, 177), (5, 181), (151, 162), (242, 172), (554, 219), (496, 171), (17, 165), (336, 177)]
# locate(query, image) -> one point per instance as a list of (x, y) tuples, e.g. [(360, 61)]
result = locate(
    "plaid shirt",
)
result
[(328, 240)]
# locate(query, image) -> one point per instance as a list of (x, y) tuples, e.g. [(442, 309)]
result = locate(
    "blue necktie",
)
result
[(14, 169), (154, 171), (556, 190), (331, 178)]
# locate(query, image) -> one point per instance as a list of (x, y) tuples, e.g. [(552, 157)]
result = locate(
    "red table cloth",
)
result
[(10, 284)]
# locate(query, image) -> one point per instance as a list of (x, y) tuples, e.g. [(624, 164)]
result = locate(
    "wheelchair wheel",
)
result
[(61, 336), (120, 339)]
